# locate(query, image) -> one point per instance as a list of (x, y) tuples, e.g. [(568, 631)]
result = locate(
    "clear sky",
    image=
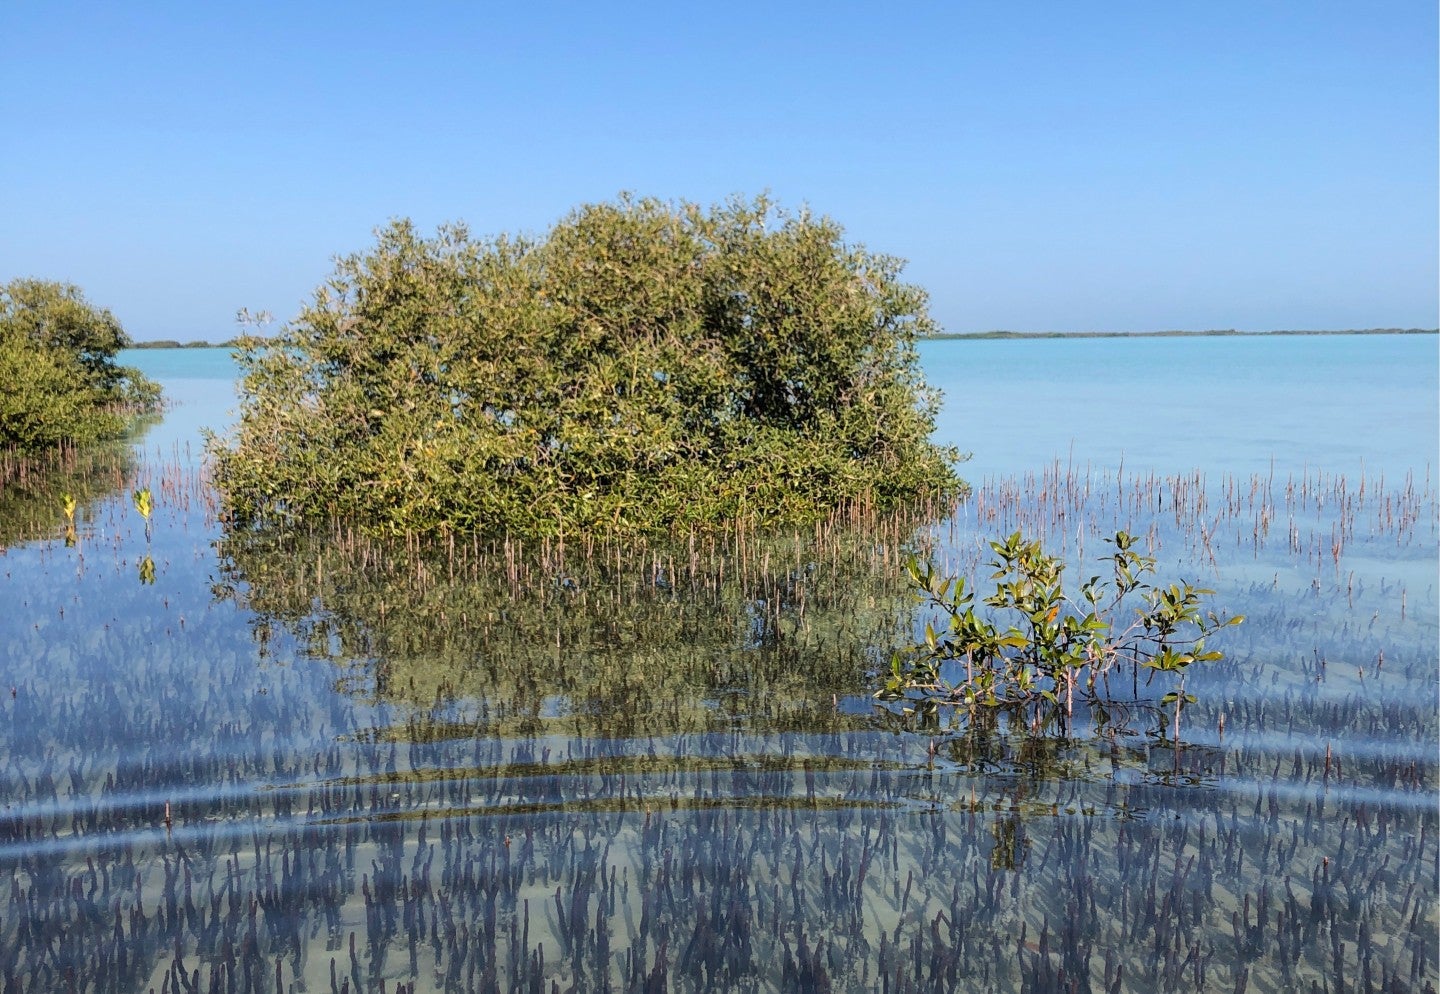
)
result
[(1060, 166)]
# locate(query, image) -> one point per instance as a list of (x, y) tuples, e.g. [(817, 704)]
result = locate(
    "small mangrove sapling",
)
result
[(1057, 646), (145, 504), (68, 505)]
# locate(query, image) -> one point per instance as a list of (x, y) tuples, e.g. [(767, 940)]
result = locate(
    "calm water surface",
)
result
[(318, 764), (1339, 403)]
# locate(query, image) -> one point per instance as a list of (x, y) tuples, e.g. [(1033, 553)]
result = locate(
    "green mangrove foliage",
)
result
[(59, 381), (612, 639), (645, 366), (1061, 647)]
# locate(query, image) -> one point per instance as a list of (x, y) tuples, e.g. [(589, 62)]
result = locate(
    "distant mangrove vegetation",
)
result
[(173, 343)]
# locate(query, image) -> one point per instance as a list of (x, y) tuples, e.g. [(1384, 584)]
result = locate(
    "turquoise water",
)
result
[(331, 765), (1240, 405), (200, 393), (1345, 404)]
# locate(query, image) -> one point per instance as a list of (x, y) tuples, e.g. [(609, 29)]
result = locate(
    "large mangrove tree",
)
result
[(644, 366)]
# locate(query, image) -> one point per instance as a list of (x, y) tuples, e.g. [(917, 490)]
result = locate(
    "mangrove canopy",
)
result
[(59, 381), (645, 366)]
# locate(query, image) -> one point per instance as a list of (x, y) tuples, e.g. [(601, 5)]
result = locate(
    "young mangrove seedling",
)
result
[(1052, 647), (145, 506), (68, 506)]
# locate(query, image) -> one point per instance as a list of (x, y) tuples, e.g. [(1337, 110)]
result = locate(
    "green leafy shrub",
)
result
[(59, 381), (1061, 648), (643, 367)]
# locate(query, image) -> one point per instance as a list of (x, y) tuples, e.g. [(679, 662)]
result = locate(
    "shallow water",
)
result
[(327, 764)]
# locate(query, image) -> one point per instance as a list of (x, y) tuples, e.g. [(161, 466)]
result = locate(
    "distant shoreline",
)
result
[(168, 343), (1226, 333)]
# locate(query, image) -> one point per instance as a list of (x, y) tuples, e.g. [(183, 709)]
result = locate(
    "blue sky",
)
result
[(1043, 166)]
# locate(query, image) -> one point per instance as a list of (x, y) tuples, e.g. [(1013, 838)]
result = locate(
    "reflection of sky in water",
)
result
[(959, 861), (200, 392), (194, 405)]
